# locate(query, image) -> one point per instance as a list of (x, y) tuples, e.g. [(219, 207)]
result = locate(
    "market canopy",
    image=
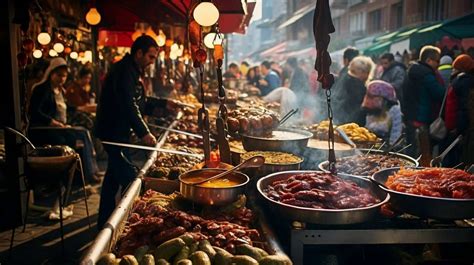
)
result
[(119, 17), (122, 15), (415, 37)]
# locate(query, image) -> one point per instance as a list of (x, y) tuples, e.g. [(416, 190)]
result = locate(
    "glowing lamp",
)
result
[(161, 39), (44, 38), (37, 54), (58, 47), (53, 53), (93, 16), (73, 55), (212, 39), (206, 14)]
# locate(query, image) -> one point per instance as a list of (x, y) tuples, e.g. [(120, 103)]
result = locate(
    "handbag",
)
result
[(438, 129)]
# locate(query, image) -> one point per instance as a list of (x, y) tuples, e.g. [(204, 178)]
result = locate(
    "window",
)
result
[(375, 20), (434, 10), (397, 16), (357, 23)]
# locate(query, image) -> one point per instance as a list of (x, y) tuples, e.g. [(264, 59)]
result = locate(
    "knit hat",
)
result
[(376, 90), (446, 59), (463, 63), (53, 65)]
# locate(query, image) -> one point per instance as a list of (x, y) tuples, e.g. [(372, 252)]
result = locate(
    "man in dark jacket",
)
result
[(423, 93), (393, 72), (269, 79), (349, 54), (120, 109)]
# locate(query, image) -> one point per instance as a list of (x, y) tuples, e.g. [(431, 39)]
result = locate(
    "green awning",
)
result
[(378, 48)]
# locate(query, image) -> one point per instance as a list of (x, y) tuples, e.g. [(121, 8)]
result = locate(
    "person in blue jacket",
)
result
[(423, 94), (269, 80)]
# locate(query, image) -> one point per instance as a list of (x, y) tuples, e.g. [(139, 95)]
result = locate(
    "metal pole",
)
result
[(95, 63)]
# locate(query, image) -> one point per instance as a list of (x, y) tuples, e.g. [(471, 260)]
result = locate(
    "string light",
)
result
[(74, 55), (37, 54), (53, 53), (44, 38), (59, 47)]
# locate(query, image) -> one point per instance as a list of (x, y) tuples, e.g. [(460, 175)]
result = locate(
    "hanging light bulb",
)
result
[(53, 53), (93, 16), (44, 38), (88, 55), (173, 54), (74, 55), (59, 47), (206, 14), (161, 39), (212, 39), (37, 54), (174, 47)]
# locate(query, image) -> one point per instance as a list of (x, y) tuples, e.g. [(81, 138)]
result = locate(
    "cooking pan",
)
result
[(425, 206), (323, 216), (296, 142), (411, 162)]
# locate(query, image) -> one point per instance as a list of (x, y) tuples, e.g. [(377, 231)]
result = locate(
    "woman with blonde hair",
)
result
[(349, 96)]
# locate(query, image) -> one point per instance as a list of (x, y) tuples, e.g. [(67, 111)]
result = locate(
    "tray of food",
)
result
[(440, 193), (274, 162), (281, 139), (361, 136), (322, 198), (369, 162)]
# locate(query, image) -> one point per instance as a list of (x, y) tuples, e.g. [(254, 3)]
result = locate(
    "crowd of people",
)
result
[(396, 98)]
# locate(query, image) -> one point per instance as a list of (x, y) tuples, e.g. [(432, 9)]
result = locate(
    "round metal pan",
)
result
[(323, 216), (259, 143), (425, 206), (323, 165)]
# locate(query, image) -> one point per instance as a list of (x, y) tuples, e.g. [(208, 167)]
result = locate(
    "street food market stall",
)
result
[(312, 185)]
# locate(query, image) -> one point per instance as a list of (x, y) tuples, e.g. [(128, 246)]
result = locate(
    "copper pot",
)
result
[(211, 195)]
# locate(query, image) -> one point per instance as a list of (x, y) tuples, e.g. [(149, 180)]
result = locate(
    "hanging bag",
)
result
[(438, 129)]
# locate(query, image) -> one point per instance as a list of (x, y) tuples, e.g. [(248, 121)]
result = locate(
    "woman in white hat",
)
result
[(48, 108)]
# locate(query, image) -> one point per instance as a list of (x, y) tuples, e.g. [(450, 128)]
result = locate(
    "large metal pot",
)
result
[(410, 161), (290, 144), (425, 206), (323, 216), (211, 196)]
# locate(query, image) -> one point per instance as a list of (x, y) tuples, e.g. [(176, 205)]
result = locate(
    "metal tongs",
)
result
[(287, 116), (436, 162)]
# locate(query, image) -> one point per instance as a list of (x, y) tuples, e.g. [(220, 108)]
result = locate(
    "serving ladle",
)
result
[(254, 161)]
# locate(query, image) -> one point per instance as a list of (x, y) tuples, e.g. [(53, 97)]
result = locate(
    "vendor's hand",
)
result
[(55, 123), (149, 139), (262, 82)]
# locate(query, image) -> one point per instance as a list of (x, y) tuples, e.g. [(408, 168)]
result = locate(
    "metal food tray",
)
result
[(107, 238)]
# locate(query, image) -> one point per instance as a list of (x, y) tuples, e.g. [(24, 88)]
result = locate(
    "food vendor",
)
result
[(120, 109)]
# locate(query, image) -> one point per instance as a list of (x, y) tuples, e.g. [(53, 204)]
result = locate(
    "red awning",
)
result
[(122, 15), (115, 38)]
